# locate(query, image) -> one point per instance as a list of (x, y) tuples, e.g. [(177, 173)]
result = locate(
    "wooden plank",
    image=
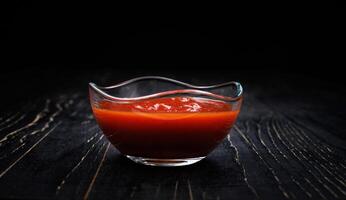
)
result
[(53, 148)]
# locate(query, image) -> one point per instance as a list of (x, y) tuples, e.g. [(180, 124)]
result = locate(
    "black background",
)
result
[(97, 34), (48, 45)]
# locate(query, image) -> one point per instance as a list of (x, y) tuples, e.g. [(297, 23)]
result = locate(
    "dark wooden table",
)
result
[(288, 143)]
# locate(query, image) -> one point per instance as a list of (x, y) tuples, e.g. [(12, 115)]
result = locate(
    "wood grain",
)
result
[(52, 148)]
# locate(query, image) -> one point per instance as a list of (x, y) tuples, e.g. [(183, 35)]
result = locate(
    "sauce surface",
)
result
[(177, 127)]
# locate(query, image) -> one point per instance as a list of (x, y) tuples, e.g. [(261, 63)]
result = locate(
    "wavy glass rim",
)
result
[(195, 89)]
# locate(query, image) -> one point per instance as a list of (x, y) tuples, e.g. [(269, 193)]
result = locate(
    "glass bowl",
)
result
[(159, 121)]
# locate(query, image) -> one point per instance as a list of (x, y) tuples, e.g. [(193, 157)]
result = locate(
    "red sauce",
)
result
[(179, 127)]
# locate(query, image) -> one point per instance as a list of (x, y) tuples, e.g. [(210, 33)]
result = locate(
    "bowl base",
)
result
[(165, 162)]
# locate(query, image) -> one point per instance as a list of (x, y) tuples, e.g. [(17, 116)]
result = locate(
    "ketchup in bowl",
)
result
[(168, 128), (160, 121)]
